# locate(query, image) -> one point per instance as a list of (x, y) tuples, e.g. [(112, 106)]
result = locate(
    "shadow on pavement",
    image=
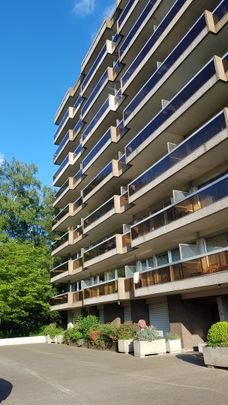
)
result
[(193, 358), (5, 389)]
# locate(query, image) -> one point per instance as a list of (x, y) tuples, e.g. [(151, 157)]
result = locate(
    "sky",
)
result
[(42, 43)]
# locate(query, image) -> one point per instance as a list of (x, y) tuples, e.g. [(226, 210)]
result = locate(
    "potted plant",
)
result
[(216, 351), (73, 336), (173, 343), (53, 333), (147, 341), (125, 337)]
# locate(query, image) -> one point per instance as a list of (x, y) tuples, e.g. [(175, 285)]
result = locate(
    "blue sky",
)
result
[(42, 44)]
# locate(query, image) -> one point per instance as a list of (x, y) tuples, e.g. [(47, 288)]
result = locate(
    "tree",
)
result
[(25, 206)]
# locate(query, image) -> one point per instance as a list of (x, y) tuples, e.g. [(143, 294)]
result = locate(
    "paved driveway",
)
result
[(60, 375)]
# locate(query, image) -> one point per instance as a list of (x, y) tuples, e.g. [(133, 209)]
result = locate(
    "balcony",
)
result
[(175, 119), (130, 13), (205, 208), (104, 59), (200, 152), (67, 270), (71, 239), (195, 48), (109, 179), (64, 125), (197, 273), (105, 253), (101, 121), (69, 166), (109, 216), (66, 301), (106, 292)]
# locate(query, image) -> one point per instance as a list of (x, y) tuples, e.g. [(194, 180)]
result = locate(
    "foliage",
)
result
[(84, 324), (126, 331), (147, 334), (218, 334), (52, 330), (172, 336), (25, 206), (72, 334), (103, 335), (25, 287)]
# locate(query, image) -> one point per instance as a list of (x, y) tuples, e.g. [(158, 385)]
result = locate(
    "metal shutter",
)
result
[(159, 316)]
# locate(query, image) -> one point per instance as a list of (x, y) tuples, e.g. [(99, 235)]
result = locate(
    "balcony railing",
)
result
[(94, 66), (61, 268), (61, 167), (98, 213), (63, 239), (93, 95), (152, 40), (78, 176), (62, 189), (78, 203), (77, 263), (194, 202), (78, 103), (62, 145), (61, 214), (60, 299), (61, 125), (200, 266), (124, 13), (107, 170), (78, 126), (198, 138), (136, 27), (77, 296), (164, 67), (177, 101), (96, 149), (100, 249), (78, 151), (95, 119), (107, 288), (220, 11), (117, 67), (77, 232)]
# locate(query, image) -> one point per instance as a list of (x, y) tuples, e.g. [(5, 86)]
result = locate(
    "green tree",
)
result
[(25, 206)]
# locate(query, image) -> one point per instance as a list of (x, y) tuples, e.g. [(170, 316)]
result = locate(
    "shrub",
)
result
[(52, 330), (172, 336), (147, 334), (72, 335), (84, 324), (126, 331), (103, 335), (218, 334)]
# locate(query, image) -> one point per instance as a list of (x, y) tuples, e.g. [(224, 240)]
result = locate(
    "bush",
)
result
[(218, 334), (126, 331), (103, 335), (147, 334), (172, 336), (72, 335), (52, 330), (84, 324)]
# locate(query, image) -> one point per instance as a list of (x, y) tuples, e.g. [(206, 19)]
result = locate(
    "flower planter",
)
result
[(144, 348), (215, 356), (59, 339), (125, 346), (50, 339), (173, 346)]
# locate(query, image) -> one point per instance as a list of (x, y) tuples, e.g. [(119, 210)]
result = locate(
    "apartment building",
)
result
[(142, 176)]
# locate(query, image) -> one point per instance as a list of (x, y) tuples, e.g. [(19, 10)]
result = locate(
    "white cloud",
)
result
[(109, 10), (83, 8), (2, 159)]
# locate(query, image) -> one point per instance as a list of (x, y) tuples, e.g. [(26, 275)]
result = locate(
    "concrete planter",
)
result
[(173, 346), (215, 356), (143, 348), (125, 346), (55, 339), (59, 339)]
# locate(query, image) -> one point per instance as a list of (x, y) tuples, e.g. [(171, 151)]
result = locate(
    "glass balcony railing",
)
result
[(64, 211), (63, 239), (78, 203), (98, 179), (78, 176), (60, 299), (107, 288), (78, 231), (94, 67), (61, 268), (62, 189), (77, 263), (200, 266), (99, 145), (200, 199), (121, 129), (78, 126), (100, 249), (166, 65), (177, 101), (220, 11), (100, 212), (77, 296), (78, 103), (61, 167), (152, 40), (134, 31), (198, 138), (93, 95), (95, 119), (61, 125), (124, 13), (62, 145), (78, 151), (117, 67)]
